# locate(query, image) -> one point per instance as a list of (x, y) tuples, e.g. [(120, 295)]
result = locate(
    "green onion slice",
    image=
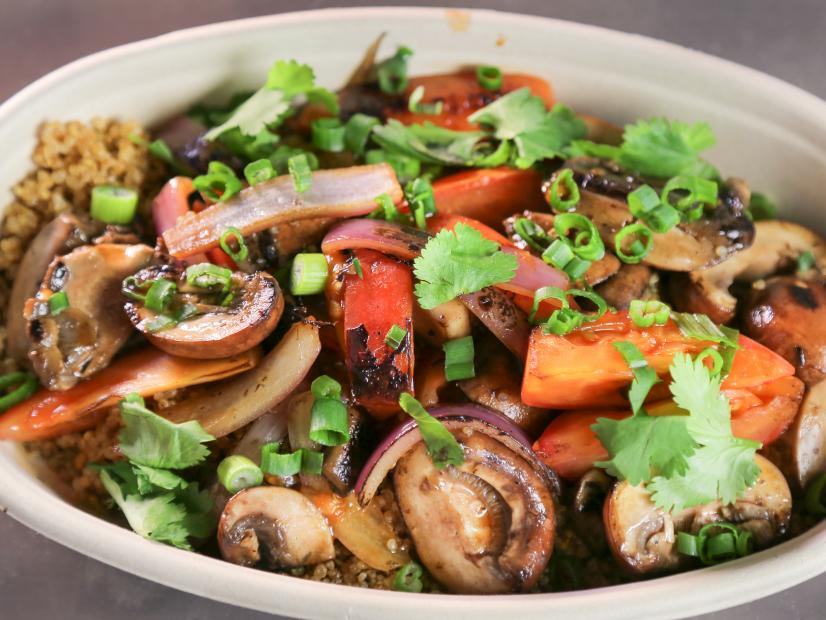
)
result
[(160, 323), (207, 275), (459, 354), (281, 465), (563, 321), (633, 243), (532, 233), (328, 134), (259, 171), (408, 578), (645, 377), (563, 194), (26, 386), (329, 421), (357, 131), (644, 203), (302, 175), (587, 242), (242, 252), (597, 300), (58, 302), (386, 209), (312, 461), (395, 336), (357, 267), (694, 194), (547, 292), (700, 327), (159, 295), (422, 203), (219, 184), (416, 106), (308, 275), (113, 205), (647, 313), (441, 445), (237, 472), (717, 361), (489, 77)]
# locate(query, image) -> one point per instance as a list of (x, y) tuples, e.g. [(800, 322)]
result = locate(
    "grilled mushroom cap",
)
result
[(686, 247), (250, 317), (76, 342), (273, 526), (485, 526), (777, 245), (643, 538)]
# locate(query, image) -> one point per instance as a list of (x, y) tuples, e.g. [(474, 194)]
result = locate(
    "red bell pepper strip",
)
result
[(490, 195), (461, 95), (372, 305), (570, 447), (147, 372), (584, 370)]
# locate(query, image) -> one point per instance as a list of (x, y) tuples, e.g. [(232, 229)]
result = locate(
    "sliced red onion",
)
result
[(500, 315), (454, 417), (168, 207), (338, 193), (532, 274), (394, 239)]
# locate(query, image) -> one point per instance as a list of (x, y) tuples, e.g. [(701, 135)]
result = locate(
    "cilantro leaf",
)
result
[(441, 445), (429, 143), (157, 517), (643, 445), (723, 467), (458, 262), (538, 134), (270, 105), (662, 148), (149, 439)]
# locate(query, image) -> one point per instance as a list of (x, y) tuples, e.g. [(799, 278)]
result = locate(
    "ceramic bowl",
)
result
[(769, 132)]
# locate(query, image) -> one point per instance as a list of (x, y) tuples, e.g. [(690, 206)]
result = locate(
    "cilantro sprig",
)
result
[(684, 460), (458, 262), (158, 503), (517, 129), (657, 148)]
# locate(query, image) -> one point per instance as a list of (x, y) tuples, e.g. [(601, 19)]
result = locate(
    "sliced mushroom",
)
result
[(776, 247), (788, 315), (486, 526), (686, 247), (497, 385), (274, 527), (342, 464), (801, 451), (499, 314), (446, 321), (643, 538), (76, 342), (253, 307), (589, 498), (630, 282), (57, 237)]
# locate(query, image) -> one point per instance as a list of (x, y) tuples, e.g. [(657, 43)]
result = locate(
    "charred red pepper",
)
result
[(373, 303)]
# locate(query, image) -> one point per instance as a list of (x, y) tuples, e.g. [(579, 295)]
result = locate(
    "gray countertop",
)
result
[(41, 579)]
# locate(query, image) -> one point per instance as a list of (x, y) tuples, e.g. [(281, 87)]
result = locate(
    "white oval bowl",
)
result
[(769, 132)]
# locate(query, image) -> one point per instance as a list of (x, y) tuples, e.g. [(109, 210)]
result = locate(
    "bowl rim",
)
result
[(700, 591)]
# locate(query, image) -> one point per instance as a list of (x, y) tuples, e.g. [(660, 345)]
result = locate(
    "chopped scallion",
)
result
[(392, 73), (207, 275), (416, 106), (328, 134), (281, 465), (300, 171), (237, 472), (459, 354), (357, 267), (58, 302), (159, 295), (357, 131), (26, 386), (113, 205), (489, 77), (219, 184), (633, 243), (717, 362), (308, 275), (648, 313), (694, 194), (700, 327), (229, 236), (395, 336), (408, 578), (563, 194), (441, 445), (259, 171), (587, 244)]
